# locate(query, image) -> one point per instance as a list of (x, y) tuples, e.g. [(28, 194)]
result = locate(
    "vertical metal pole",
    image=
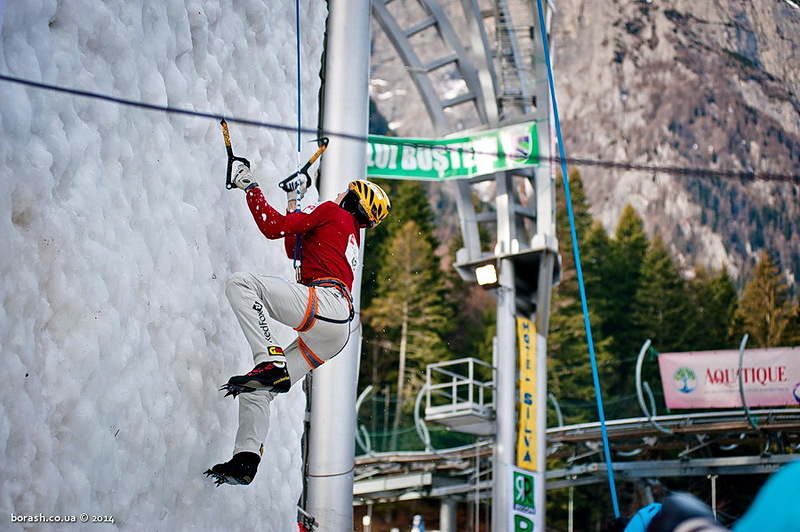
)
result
[(571, 508), (544, 292), (713, 494), (447, 515), (505, 398), (332, 414), (546, 237)]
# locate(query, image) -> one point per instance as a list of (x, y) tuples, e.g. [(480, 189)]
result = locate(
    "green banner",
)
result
[(480, 154)]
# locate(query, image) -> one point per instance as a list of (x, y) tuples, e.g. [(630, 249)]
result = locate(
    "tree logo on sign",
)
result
[(686, 379)]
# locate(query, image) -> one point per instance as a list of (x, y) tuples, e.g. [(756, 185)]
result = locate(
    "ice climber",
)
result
[(318, 306)]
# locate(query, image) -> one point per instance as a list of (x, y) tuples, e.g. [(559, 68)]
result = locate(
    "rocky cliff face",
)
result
[(709, 86)]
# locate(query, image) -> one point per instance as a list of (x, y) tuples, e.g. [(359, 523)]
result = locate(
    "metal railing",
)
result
[(459, 388)]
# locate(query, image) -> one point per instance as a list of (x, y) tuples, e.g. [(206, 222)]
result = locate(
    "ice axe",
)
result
[(323, 144), (231, 157)]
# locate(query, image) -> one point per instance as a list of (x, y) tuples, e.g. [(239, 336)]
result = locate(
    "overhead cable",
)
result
[(747, 175)]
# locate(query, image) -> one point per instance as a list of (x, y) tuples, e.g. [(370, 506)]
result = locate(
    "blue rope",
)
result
[(297, 47), (298, 247), (578, 269)]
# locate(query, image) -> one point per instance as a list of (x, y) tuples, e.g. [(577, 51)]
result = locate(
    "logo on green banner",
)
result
[(523, 493)]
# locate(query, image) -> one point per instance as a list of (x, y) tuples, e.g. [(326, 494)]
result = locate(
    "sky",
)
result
[(116, 237)]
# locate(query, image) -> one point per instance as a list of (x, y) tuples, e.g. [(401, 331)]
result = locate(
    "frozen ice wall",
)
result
[(116, 237)]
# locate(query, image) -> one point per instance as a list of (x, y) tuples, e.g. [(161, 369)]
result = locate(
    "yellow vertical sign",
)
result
[(526, 429)]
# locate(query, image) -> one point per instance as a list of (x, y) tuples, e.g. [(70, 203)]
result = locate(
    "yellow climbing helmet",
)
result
[(371, 203)]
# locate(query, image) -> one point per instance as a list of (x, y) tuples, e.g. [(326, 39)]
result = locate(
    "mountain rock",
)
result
[(689, 111), (702, 89)]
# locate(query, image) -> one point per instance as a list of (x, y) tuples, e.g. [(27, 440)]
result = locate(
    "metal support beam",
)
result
[(331, 438), (447, 515), (595, 473), (498, 60), (505, 398)]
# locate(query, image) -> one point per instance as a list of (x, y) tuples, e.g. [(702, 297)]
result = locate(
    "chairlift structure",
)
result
[(492, 49)]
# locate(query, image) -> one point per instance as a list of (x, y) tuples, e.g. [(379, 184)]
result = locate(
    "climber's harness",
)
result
[(313, 303)]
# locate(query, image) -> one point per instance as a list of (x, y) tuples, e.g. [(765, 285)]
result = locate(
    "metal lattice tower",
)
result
[(479, 65), (489, 48), (514, 57)]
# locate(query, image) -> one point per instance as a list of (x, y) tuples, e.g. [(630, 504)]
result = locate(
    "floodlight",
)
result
[(486, 275)]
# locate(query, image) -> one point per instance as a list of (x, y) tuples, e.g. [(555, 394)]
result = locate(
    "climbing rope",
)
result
[(298, 245), (578, 269), (322, 144)]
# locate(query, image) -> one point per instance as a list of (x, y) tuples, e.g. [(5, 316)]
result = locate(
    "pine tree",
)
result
[(566, 292), (474, 310), (583, 223), (765, 310), (379, 346), (374, 241), (409, 308), (569, 367), (409, 202), (628, 251), (713, 297), (793, 327), (598, 266), (662, 308)]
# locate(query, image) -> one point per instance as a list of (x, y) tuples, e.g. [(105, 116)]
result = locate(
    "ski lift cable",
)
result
[(578, 268), (575, 161)]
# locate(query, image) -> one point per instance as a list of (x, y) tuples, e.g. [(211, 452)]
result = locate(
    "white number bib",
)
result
[(352, 252)]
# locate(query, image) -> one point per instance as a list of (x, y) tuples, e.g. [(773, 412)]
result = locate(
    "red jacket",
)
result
[(329, 235)]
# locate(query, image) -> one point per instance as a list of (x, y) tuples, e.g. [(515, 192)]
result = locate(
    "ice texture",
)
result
[(116, 237)]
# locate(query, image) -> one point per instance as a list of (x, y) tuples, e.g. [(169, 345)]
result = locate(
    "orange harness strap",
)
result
[(311, 311), (312, 360), (341, 287)]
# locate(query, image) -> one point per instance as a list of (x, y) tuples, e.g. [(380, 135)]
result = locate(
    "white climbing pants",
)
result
[(256, 301)]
